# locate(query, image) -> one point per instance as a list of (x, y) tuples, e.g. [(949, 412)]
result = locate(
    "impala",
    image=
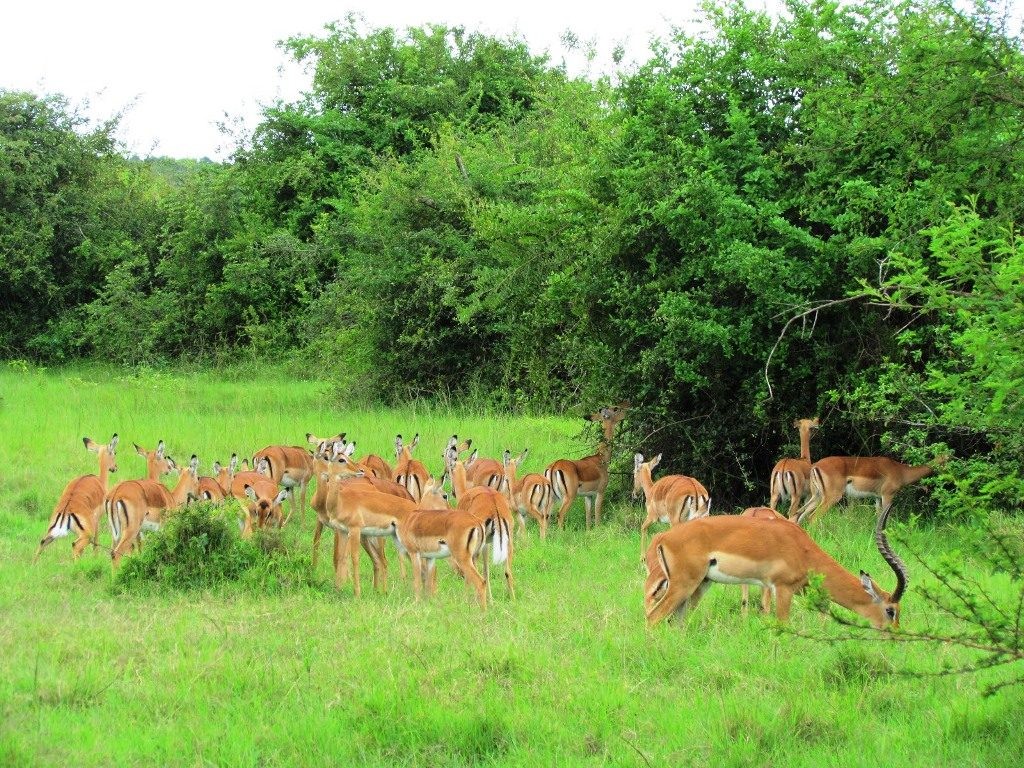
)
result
[(430, 535), (359, 511), (684, 561), (484, 472), (262, 496), (790, 477), (864, 477), (587, 477), (408, 471), (760, 513), (218, 488), (81, 503), (290, 466), (336, 463), (137, 505), (672, 499), (528, 495)]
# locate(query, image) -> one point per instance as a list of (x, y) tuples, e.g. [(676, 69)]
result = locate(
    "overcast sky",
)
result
[(177, 68)]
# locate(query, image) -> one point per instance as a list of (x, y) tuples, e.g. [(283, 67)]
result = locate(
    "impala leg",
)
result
[(417, 574), (80, 543), (354, 537), (783, 601), (318, 530), (340, 561), (745, 598), (766, 600), (587, 511), (567, 501), (598, 503)]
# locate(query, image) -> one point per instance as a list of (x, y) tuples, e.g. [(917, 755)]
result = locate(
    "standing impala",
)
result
[(684, 561), (673, 499), (409, 472), (860, 477), (528, 495), (81, 503), (587, 477), (790, 478)]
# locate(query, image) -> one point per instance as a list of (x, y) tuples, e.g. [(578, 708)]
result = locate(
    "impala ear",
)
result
[(217, 468), (139, 450), (506, 458), (284, 494), (415, 441), (90, 445), (193, 464), (160, 449), (656, 461), (350, 449), (638, 459), (233, 464), (452, 442), (664, 562), (869, 587), (112, 445), (522, 456), (250, 492), (245, 464)]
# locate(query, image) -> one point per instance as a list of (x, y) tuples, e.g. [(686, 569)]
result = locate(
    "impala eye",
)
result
[(891, 613)]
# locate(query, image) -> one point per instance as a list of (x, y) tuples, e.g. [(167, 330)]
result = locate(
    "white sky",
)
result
[(178, 68)]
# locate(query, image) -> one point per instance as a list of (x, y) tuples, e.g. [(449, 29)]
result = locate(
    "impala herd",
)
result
[(366, 502)]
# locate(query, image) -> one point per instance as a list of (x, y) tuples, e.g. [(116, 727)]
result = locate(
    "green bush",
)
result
[(199, 547)]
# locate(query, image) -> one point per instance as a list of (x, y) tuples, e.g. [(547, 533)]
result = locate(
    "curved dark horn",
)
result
[(890, 557)]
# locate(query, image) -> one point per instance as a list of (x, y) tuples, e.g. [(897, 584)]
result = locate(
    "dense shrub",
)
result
[(199, 547)]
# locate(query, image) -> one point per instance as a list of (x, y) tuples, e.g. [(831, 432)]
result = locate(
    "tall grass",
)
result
[(565, 674)]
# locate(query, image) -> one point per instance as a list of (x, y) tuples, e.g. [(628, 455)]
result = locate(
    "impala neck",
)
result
[(805, 442), (604, 449), (846, 589), (104, 471), (185, 486), (913, 474), (458, 473), (646, 481)]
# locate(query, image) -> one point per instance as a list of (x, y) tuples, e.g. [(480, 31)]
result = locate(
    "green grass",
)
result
[(566, 674)]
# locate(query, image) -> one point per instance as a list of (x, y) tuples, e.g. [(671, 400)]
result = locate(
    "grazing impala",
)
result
[(218, 488), (137, 505), (864, 477), (790, 479), (408, 471), (684, 561), (290, 466), (81, 503), (587, 477), (760, 513), (673, 499), (261, 495), (528, 495)]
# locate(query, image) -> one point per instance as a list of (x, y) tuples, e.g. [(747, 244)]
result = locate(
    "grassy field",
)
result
[(565, 674)]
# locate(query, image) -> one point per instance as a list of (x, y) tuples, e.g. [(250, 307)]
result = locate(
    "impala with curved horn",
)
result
[(684, 561)]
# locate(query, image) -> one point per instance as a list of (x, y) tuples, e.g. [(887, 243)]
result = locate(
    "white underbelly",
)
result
[(855, 493), (718, 576)]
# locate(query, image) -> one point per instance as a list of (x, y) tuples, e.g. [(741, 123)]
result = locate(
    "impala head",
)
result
[(807, 424), (190, 477), (642, 471), (262, 508), (611, 414), (157, 463), (658, 592), (434, 496), (319, 441), (107, 453), (343, 466)]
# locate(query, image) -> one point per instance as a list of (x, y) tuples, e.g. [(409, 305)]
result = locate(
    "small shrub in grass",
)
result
[(199, 546)]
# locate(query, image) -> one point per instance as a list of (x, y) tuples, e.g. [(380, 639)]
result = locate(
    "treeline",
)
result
[(445, 212)]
